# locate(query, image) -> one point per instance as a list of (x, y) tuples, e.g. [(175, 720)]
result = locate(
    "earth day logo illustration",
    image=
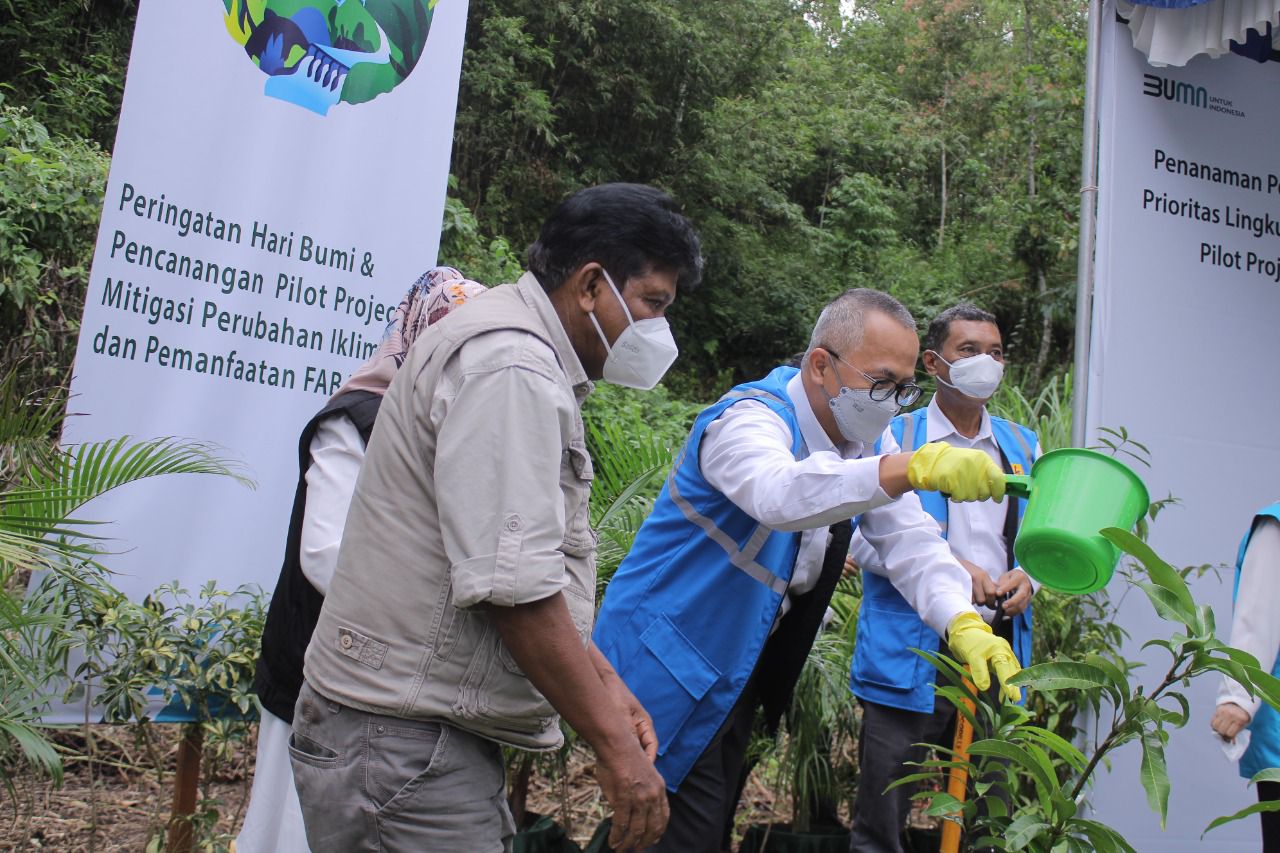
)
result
[(316, 53)]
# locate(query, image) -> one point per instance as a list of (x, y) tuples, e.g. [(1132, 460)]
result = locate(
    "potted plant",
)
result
[(1045, 812)]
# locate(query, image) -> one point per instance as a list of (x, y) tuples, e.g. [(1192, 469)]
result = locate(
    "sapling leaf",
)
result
[(1062, 675), (1173, 718), (1209, 625), (1154, 774), (1264, 806), (1239, 656), (1119, 681), (1072, 845), (1160, 572), (959, 697), (954, 672), (995, 805), (913, 777), (1042, 758), (1166, 604), (1064, 808), (1204, 663), (1271, 774), (941, 804), (1103, 837), (1044, 780), (1059, 745), (1024, 829), (1267, 685)]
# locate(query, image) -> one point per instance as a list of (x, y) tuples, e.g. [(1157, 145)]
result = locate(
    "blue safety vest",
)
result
[(687, 614), (885, 669), (1264, 743)]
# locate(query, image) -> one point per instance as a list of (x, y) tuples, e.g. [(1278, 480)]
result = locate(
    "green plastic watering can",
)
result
[(1071, 495)]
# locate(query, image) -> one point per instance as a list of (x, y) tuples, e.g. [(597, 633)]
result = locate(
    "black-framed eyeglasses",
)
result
[(903, 393)]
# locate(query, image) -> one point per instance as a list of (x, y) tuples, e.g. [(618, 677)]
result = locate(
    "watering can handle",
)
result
[(1017, 485)]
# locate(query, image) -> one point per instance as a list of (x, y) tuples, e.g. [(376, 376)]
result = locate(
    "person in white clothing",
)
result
[(1255, 629), (331, 450)]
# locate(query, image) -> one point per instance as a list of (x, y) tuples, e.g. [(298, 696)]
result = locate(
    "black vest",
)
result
[(295, 605)]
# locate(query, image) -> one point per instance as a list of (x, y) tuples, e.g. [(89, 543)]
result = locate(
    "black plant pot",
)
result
[(781, 838), (541, 834), (922, 840)]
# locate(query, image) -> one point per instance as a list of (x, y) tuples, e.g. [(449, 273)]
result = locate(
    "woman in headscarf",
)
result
[(331, 451)]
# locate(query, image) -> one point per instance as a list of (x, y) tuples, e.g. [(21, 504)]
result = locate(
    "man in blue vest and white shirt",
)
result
[(964, 352), (714, 609), (1255, 629)]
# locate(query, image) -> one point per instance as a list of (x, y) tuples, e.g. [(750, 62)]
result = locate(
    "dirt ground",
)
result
[(120, 804)]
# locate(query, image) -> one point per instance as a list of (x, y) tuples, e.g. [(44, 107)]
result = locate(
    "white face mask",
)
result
[(642, 353), (858, 417), (977, 376)]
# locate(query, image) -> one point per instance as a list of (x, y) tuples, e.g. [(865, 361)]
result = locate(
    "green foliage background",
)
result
[(925, 147)]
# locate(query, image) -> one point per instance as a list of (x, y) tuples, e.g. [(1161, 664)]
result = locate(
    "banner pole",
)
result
[(1088, 225)]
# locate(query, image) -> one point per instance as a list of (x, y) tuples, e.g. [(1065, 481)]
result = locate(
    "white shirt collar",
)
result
[(815, 437), (940, 426)]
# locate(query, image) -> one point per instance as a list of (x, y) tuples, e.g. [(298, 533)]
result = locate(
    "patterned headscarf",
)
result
[(437, 291)]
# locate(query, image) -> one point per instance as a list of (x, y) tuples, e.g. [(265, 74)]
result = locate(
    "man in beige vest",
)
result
[(459, 618)]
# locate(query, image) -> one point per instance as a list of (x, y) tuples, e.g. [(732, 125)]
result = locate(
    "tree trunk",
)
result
[(1037, 264), (518, 799), (1046, 325), (942, 215), (185, 785)]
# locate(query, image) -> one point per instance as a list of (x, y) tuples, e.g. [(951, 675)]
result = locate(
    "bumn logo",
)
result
[(1172, 90)]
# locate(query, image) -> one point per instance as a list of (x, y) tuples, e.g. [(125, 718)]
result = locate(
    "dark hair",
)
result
[(628, 228), (940, 328)]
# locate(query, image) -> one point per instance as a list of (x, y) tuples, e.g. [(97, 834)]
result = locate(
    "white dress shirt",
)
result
[(746, 455), (1254, 627), (975, 529), (337, 450)]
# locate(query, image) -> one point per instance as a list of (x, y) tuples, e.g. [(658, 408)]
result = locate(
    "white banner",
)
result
[(277, 184), (1184, 332)]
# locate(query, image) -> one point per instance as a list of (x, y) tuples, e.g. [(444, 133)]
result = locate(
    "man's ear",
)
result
[(930, 362), (585, 284), (816, 363)]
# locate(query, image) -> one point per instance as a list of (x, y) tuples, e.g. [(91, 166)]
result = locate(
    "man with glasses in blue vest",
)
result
[(714, 610), (964, 352)]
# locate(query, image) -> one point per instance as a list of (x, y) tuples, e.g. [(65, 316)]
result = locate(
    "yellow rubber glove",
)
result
[(964, 475), (973, 643)]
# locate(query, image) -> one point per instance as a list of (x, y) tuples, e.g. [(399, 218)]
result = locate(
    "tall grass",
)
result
[(1048, 411)]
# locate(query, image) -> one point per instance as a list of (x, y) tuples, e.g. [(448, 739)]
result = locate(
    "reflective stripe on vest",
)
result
[(739, 558)]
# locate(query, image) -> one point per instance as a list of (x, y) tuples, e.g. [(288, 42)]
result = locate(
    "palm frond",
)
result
[(29, 424), (625, 462), (26, 739), (616, 536), (629, 467), (51, 492)]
